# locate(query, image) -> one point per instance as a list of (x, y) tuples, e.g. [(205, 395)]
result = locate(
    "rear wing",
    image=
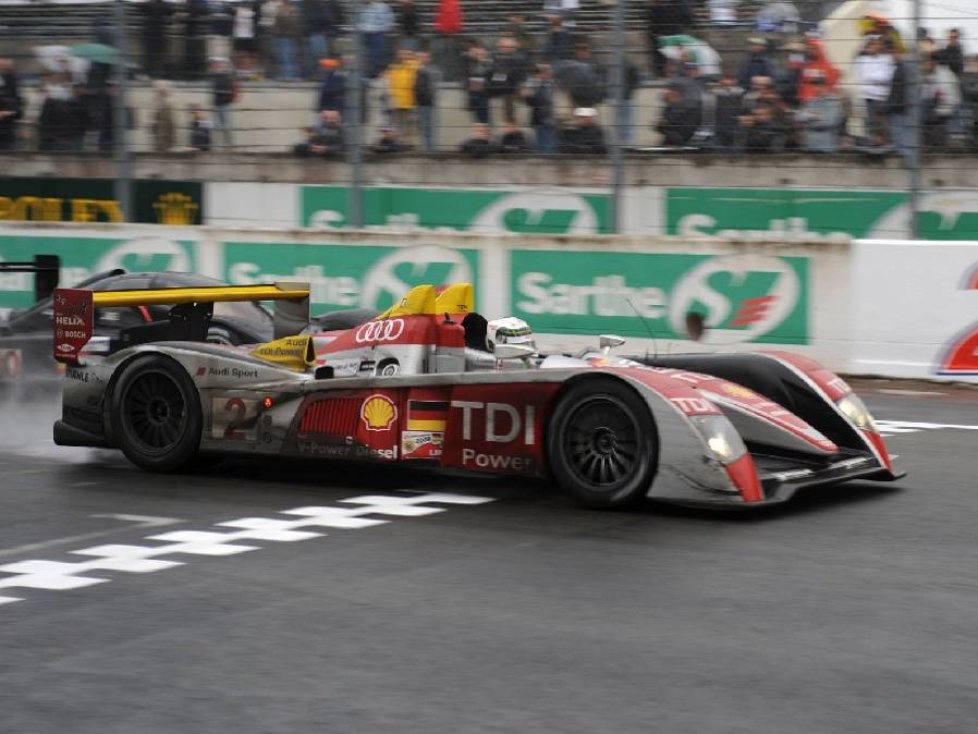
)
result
[(46, 269), (74, 311)]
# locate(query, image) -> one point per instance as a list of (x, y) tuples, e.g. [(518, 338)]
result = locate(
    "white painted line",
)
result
[(910, 393), (149, 521), (892, 428), (144, 521), (59, 575)]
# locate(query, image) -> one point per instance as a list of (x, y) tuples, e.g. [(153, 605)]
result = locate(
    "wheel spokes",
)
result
[(602, 442), (155, 411)]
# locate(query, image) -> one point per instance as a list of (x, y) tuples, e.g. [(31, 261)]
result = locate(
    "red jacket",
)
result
[(448, 18), (819, 66)]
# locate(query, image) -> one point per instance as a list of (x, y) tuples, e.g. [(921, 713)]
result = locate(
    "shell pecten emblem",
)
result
[(378, 413)]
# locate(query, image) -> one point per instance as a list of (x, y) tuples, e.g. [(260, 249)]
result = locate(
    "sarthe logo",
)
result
[(537, 212), (395, 274), (741, 297)]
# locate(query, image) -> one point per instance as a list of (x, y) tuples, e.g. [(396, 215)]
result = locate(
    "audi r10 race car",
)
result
[(431, 381)]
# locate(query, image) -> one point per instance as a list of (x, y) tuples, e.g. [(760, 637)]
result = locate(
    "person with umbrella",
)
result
[(684, 48), (665, 18)]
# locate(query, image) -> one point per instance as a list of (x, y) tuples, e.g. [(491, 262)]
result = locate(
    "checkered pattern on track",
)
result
[(230, 538)]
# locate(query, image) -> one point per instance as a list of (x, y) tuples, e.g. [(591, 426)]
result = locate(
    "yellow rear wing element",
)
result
[(74, 311), (419, 301), (209, 294), (458, 298), (425, 300)]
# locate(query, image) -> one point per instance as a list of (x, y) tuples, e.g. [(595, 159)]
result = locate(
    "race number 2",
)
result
[(234, 418)]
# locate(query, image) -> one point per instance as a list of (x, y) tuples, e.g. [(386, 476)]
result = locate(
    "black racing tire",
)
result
[(602, 443), (156, 414), (388, 368)]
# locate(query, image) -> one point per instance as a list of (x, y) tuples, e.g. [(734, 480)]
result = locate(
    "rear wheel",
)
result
[(602, 444), (156, 414)]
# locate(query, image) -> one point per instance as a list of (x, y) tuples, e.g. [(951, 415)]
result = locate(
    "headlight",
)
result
[(855, 410), (722, 439)]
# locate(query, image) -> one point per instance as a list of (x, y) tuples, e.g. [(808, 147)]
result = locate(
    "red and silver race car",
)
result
[(431, 381)]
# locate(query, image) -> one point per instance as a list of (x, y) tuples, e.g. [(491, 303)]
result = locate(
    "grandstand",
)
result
[(28, 23)]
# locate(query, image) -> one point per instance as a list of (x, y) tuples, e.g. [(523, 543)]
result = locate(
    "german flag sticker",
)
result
[(427, 415)]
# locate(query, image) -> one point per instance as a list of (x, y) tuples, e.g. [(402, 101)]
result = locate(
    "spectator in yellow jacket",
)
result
[(401, 76)]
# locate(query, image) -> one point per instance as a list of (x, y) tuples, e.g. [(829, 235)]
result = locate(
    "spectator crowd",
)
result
[(524, 90), (791, 96)]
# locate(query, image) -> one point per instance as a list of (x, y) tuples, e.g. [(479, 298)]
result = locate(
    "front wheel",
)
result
[(602, 444), (156, 414)]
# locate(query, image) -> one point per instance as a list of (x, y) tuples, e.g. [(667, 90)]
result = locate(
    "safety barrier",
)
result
[(900, 309)]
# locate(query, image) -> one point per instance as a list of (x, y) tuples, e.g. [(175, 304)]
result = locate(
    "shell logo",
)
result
[(378, 413)]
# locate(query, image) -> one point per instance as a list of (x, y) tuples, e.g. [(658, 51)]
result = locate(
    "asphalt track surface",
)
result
[(853, 609)]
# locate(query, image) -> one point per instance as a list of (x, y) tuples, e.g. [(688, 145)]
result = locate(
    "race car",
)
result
[(25, 337), (432, 381)]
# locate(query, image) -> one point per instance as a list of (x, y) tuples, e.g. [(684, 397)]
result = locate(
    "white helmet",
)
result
[(509, 330)]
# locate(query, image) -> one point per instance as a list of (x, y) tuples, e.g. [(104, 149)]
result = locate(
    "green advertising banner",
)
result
[(818, 214), (93, 200), (743, 298), (524, 211), (776, 213), (349, 276)]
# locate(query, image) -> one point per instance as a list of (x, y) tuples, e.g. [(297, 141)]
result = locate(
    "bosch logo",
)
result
[(65, 348), (380, 331)]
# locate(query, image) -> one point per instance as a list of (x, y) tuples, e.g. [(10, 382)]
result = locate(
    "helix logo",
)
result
[(389, 330), (378, 413)]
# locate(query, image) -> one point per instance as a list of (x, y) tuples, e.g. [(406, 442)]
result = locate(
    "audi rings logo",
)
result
[(380, 331)]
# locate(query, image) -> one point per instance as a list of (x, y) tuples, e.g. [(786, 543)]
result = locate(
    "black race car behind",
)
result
[(26, 337)]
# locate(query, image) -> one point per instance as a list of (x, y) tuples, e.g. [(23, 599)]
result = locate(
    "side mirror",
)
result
[(512, 351), (609, 341)]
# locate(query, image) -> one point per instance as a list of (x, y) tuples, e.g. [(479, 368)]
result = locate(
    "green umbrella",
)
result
[(680, 39), (98, 53)]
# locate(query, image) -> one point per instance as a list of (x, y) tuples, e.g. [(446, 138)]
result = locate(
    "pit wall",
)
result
[(894, 308)]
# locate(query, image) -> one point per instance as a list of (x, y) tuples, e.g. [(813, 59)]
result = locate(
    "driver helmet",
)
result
[(509, 330)]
